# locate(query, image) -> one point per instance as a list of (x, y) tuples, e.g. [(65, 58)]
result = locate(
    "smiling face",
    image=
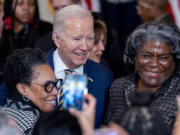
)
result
[(24, 10), (76, 42), (154, 64), (37, 94), (98, 49)]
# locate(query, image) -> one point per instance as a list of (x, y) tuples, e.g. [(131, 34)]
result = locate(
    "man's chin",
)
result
[(79, 63)]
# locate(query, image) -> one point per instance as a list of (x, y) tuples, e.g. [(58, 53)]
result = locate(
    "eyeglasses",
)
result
[(49, 86)]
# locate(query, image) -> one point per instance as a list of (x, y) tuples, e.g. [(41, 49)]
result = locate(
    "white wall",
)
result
[(44, 11)]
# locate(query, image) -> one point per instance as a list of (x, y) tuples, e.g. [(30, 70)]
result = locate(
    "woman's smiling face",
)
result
[(154, 63), (37, 94)]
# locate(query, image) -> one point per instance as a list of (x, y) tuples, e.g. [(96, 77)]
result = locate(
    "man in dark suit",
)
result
[(73, 35)]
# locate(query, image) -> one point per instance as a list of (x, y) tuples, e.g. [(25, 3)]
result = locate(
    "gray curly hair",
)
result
[(156, 32)]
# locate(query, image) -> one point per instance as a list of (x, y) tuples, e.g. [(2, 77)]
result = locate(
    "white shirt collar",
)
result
[(59, 66)]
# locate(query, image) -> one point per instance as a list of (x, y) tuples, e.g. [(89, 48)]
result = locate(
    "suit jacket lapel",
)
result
[(88, 72), (50, 58)]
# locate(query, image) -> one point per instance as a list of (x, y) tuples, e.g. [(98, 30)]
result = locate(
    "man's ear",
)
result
[(56, 39), (21, 89)]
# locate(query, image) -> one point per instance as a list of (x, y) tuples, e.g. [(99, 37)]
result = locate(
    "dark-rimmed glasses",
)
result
[(49, 85)]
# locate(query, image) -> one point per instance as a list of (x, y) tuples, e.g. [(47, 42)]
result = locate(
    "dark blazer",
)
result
[(102, 79), (3, 93)]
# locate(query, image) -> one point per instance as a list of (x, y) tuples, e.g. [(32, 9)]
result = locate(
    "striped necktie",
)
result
[(61, 92)]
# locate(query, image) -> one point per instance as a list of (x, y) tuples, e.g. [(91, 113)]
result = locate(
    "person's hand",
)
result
[(176, 130), (118, 129), (87, 115)]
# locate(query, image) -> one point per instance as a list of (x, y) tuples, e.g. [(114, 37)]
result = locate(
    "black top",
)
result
[(25, 38), (164, 101)]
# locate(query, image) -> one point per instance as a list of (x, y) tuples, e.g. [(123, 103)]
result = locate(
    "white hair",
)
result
[(72, 11)]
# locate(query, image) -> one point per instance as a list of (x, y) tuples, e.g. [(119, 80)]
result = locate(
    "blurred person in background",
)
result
[(22, 27), (99, 42), (110, 54), (59, 4), (97, 16), (121, 18), (153, 51), (32, 88), (154, 10), (46, 42)]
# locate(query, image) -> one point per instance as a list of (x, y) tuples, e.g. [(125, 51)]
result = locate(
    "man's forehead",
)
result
[(78, 23), (78, 19)]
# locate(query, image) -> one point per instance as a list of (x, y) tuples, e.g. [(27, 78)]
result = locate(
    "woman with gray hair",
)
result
[(154, 52)]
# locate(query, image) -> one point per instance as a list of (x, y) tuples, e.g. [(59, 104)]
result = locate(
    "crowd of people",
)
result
[(142, 98)]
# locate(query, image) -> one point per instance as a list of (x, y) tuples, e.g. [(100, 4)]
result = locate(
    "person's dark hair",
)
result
[(98, 30), (8, 12), (19, 67), (57, 123), (148, 32), (141, 118)]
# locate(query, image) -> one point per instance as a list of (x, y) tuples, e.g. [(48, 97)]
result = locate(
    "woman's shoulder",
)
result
[(125, 80), (23, 115), (123, 83)]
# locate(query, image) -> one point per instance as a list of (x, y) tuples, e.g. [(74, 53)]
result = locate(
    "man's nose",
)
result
[(84, 44)]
